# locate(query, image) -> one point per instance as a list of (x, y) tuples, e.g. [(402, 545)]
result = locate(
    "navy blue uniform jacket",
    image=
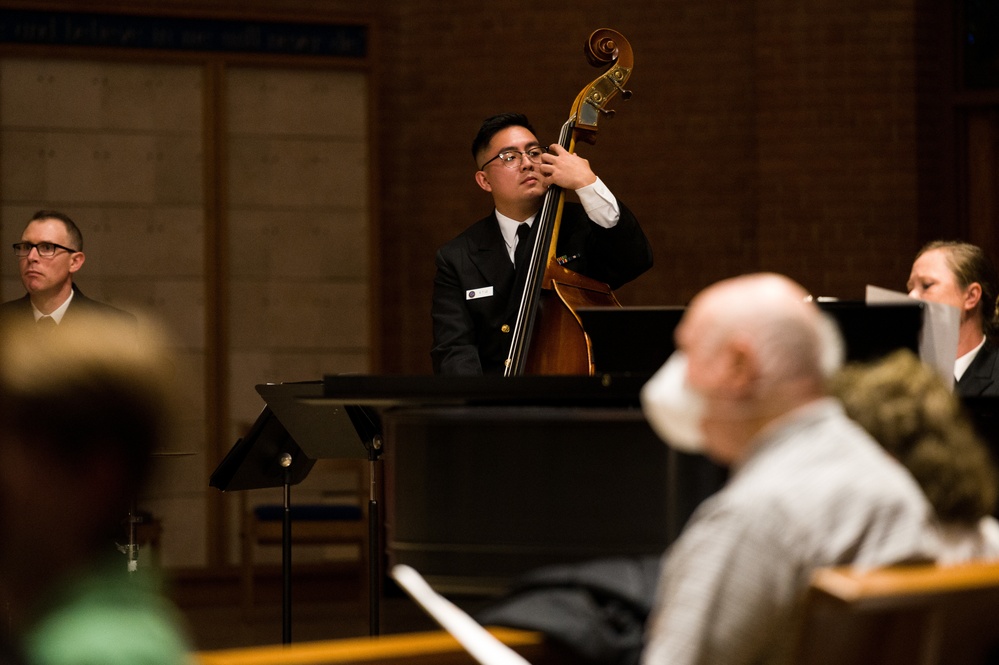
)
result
[(982, 376), (468, 331)]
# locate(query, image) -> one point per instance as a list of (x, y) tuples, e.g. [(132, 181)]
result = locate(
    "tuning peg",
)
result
[(596, 104), (625, 94)]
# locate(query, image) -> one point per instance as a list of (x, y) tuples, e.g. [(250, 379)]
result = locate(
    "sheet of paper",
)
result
[(478, 641), (938, 336)]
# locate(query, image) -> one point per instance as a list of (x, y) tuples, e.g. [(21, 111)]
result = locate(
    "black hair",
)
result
[(492, 125)]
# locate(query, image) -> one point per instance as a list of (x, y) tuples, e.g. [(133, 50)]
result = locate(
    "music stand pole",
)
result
[(285, 462), (374, 559), (133, 546)]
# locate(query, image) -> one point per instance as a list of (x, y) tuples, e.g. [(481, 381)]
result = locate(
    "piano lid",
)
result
[(382, 390), (629, 345), (638, 340)]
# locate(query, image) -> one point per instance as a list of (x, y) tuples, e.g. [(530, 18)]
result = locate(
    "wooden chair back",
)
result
[(431, 648), (907, 615)]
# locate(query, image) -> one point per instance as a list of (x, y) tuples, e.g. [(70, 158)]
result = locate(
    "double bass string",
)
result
[(604, 47), (547, 220)]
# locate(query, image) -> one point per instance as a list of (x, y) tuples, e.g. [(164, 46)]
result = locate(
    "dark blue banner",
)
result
[(182, 34)]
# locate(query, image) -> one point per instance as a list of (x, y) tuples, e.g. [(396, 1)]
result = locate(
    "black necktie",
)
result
[(523, 249)]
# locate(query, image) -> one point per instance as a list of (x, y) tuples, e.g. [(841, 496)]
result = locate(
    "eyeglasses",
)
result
[(514, 158), (45, 249)]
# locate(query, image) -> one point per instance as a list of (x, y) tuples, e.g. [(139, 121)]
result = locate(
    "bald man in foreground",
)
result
[(808, 487)]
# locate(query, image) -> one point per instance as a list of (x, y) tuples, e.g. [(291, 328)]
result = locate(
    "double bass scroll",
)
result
[(604, 47), (548, 336)]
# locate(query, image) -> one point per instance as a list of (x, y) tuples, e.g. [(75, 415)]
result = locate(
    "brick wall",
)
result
[(810, 137), (776, 135), (802, 136)]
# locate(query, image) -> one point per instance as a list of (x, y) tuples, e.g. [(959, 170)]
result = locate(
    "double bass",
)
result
[(548, 336)]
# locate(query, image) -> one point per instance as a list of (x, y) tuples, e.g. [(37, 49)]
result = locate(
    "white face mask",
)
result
[(673, 408)]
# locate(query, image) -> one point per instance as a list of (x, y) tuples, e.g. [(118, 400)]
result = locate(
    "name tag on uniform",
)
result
[(474, 294)]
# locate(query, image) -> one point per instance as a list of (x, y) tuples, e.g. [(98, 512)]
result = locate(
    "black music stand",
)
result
[(638, 340), (280, 450)]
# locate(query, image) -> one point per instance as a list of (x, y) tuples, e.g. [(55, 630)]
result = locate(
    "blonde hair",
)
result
[(99, 387), (970, 265)]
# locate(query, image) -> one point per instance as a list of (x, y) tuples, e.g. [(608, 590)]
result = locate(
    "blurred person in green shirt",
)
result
[(79, 416)]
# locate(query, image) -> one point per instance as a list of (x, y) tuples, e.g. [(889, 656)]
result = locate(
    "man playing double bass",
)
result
[(477, 288)]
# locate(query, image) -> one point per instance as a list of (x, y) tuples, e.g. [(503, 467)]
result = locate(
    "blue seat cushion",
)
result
[(313, 512)]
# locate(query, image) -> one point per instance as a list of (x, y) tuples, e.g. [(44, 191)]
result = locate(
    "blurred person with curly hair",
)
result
[(907, 408)]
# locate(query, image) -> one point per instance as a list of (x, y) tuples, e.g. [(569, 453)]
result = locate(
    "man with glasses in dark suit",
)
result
[(475, 300), (49, 253)]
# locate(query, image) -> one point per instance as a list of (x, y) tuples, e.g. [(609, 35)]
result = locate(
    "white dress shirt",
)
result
[(597, 200), (59, 312)]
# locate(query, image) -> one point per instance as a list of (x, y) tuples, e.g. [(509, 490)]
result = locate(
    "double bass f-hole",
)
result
[(548, 337)]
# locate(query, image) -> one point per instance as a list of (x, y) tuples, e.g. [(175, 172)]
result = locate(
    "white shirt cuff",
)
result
[(600, 204)]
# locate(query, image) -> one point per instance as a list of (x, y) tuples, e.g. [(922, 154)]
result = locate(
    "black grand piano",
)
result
[(488, 477)]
